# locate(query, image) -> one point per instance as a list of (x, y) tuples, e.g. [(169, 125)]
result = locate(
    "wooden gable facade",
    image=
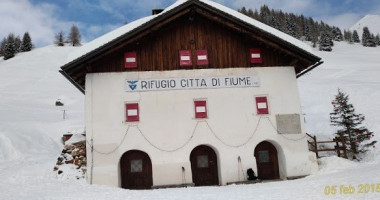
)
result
[(192, 26)]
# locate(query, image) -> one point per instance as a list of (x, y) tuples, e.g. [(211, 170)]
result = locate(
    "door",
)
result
[(266, 161), (204, 166), (136, 170)]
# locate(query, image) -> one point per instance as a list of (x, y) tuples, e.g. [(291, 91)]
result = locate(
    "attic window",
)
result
[(255, 56), (184, 58), (202, 57), (130, 59)]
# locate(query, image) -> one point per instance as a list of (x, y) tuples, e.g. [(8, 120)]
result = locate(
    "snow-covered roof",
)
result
[(113, 35)]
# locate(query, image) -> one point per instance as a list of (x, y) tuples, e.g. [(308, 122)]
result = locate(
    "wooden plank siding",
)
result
[(192, 26), (159, 50)]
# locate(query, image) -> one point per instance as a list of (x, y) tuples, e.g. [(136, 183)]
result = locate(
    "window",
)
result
[(136, 166), (263, 156), (262, 105), (132, 112), (184, 58), (202, 57), (202, 161), (255, 55), (130, 60), (200, 109)]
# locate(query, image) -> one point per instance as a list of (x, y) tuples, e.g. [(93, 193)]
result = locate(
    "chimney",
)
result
[(156, 11)]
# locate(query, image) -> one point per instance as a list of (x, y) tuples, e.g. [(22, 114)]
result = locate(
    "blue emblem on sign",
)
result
[(132, 84)]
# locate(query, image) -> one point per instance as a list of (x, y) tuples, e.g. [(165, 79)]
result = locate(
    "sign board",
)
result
[(141, 85), (288, 124)]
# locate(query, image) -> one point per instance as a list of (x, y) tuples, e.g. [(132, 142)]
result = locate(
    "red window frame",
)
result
[(255, 56), (130, 59), (202, 57), (200, 113), (262, 105), (132, 117), (185, 58)]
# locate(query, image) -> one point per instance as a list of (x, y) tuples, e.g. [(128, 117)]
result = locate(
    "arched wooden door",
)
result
[(204, 166), (136, 170), (266, 161)]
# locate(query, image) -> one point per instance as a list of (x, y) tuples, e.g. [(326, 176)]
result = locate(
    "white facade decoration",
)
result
[(168, 131)]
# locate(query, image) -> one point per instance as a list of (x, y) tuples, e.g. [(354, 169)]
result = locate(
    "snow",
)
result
[(31, 127), (76, 138), (109, 37), (371, 21)]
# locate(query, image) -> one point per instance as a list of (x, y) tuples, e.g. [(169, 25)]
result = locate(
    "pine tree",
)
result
[(355, 37), (307, 34), (337, 34), (59, 39), (2, 46), (350, 129), (9, 48), (325, 42), (367, 39), (27, 44), (74, 36), (291, 26), (348, 36), (17, 44), (377, 39)]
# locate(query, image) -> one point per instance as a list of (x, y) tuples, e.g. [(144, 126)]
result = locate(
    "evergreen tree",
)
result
[(355, 37), (59, 39), (337, 34), (74, 36), (377, 39), (350, 129), (291, 26), (348, 36), (325, 42), (307, 34), (2, 46), (274, 22), (17, 44), (243, 10), (27, 44), (9, 48), (367, 38)]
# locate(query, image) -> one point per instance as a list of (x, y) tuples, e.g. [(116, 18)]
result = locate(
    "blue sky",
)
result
[(44, 18)]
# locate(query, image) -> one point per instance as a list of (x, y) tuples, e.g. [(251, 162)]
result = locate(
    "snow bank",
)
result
[(75, 138), (333, 164)]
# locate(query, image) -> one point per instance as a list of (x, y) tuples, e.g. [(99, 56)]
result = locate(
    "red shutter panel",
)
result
[(202, 57), (132, 112), (184, 58), (130, 60), (262, 105), (255, 55), (200, 109)]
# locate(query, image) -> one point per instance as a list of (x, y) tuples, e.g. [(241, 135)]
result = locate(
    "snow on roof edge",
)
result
[(110, 36)]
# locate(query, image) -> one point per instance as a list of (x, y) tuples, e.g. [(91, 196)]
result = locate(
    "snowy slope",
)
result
[(354, 69), (30, 123), (30, 128), (370, 21)]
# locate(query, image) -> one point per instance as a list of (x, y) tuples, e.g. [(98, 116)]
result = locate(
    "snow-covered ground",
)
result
[(31, 126)]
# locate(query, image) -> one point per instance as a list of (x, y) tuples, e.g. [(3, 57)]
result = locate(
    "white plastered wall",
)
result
[(168, 132)]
